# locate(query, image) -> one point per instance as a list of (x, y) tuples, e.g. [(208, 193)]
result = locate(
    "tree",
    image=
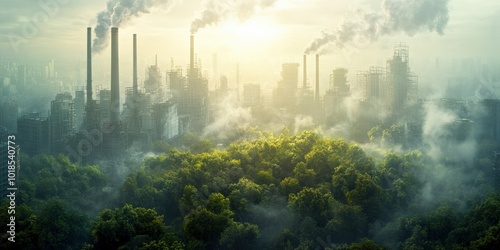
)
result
[(26, 233), (398, 175), (239, 236), (115, 228), (365, 244), (368, 195), (305, 176), (290, 185), (310, 202), (348, 224), (205, 225), (60, 227), (489, 240)]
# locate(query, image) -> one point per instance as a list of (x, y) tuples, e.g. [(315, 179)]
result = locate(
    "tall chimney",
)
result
[(304, 84), (191, 55), (134, 126), (115, 82), (89, 67), (316, 95), (238, 82), (135, 87)]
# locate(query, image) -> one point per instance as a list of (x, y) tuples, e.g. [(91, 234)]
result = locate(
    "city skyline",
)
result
[(260, 41)]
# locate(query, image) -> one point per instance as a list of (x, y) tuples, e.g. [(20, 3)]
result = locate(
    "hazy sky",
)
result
[(260, 42)]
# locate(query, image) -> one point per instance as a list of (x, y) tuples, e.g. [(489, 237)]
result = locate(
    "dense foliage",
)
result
[(275, 192)]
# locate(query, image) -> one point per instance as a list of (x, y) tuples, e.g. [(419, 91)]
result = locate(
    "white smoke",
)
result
[(407, 16), (437, 134), (228, 116), (216, 10), (119, 13), (303, 123)]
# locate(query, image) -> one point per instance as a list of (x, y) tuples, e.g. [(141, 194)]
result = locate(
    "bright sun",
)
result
[(253, 31)]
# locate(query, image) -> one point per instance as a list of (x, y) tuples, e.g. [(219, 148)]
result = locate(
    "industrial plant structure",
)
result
[(96, 124)]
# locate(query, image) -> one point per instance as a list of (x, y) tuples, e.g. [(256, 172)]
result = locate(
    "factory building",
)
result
[(339, 90), (401, 84), (79, 108), (166, 123), (305, 96), (371, 83), (394, 88), (252, 96), (196, 95), (284, 96)]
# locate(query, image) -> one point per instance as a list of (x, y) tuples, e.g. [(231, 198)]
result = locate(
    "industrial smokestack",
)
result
[(134, 125), (89, 67), (135, 87), (238, 82), (316, 95), (115, 82), (304, 83), (191, 55)]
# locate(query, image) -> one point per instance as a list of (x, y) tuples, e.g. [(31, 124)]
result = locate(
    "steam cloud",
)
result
[(229, 116), (216, 10), (119, 13), (408, 16)]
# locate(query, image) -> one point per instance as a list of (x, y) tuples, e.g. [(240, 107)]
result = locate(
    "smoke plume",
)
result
[(230, 116), (408, 16), (216, 10), (119, 13)]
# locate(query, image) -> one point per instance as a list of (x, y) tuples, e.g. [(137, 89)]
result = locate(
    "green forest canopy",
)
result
[(279, 191)]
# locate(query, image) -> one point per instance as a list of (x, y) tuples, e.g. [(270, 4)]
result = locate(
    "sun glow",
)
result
[(253, 32)]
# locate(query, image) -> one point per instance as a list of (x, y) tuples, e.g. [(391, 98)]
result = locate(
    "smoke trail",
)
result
[(216, 10), (120, 12), (408, 16)]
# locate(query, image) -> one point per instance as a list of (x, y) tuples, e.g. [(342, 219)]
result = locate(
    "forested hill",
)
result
[(279, 191)]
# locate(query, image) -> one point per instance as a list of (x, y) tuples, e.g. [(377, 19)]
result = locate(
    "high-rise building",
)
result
[(8, 115), (61, 122), (21, 76), (33, 134), (50, 70), (489, 120)]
